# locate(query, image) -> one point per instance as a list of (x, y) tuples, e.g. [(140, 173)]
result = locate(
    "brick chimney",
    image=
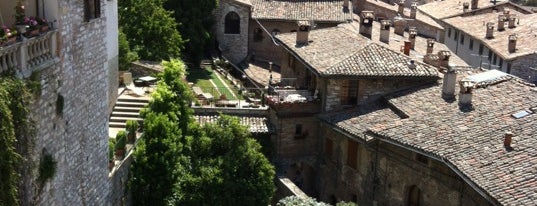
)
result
[(412, 33), (448, 85), (474, 4), (406, 47), (490, 30), (507, 139), (465, 95), (385, 31), (303, 32), (512, 19), (399, 25), (512, 43), (413, 10), (501, 22), (430, 46), (400, 7), (465, 7), (345, 4), (443, 58), (366, 23)]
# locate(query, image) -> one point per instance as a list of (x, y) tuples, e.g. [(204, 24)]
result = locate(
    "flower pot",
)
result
[(111, 164), (21, 28), (131, 137), (44, 28), (32, 33), (120, 153), (9, 41)]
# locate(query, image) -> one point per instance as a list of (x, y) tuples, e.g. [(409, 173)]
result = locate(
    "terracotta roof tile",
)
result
[(317, 10), (447, 8)]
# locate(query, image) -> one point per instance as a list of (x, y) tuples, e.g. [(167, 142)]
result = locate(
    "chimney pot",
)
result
[(303, 31), (474, 4), (490, 30), (465, 95), (430, 46), (506, 12), (366, 23), (443, 58), (385, 31), (407, 46), (465, 7), (512, 19), (508, 139), (448, 85), (512, 43), (501, 22), (412, 33), (401, 7), (413, 10), (346, 4)]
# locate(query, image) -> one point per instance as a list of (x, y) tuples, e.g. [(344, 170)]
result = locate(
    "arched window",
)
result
[(232, 23), (414, 196)]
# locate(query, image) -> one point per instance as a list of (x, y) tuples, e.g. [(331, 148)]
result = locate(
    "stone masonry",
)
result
[(233, 46), (77, 134)]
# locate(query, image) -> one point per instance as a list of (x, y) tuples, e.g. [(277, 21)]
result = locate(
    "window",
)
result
[(232, 23), (480, 49), (352, 154), (471, 44), (414, 196), (449, 33), (258, 35), (462, 38), (275, 32), (92, 9), (456, 35), (351, 95), (328, 147), (298, 132), (509, 68), (495, 58), (501, 63), (490, 55)]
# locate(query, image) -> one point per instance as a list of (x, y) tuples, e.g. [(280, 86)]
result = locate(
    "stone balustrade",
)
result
[(30, 54)]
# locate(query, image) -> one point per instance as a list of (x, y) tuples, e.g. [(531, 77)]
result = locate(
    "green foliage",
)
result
[(126, 55), (150, 29), (47, 169), (121, 140), (196, 22), (531, 3), (15, 135), (132, 126), (297, 201), (111, 148), (346, 204)]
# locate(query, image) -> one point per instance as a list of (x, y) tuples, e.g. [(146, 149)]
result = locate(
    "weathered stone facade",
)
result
[(233, 46), (75, 131), (526, 68)]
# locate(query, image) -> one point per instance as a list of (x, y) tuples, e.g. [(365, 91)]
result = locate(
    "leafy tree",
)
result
[(196, 21), (126, 55), (295, 201), (531, 3), (150, 29)]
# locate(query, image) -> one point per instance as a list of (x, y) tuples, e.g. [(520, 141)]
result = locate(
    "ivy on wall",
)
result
[(15, 136)]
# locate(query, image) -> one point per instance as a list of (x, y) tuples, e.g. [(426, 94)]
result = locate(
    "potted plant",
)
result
[(33, 26), (20, 15), (43, 24), (111, 148), (121, 142), (7, 36), (132, 127)]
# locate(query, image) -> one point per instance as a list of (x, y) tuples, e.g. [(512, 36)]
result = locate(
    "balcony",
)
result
[(285, 99), (29, 54)]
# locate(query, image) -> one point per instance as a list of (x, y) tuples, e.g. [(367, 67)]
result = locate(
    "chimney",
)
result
[(474, 4), (443, 58), (401, 7), (501, 22), (385, 31), (413, 10), (406, 48), (399, 25), (512, 19), (303, 32), (490, 30), (346, 4), (506, 12), (507, 139), (512, 43), (430, 46), (465, 7), (366, 23), (465, 95), (412, 33), (448, 85)]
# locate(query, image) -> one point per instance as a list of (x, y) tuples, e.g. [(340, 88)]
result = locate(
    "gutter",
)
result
[(440, 159)]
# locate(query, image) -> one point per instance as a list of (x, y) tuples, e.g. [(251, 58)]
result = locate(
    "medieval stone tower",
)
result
[(76, 64)]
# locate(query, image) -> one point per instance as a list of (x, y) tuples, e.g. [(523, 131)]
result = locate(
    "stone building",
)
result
[(75, 63), (245, 28)]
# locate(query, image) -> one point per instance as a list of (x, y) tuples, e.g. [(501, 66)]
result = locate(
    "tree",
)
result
[(150, 29), (196, 22), (308, 201), (126, 55), (531, 3)]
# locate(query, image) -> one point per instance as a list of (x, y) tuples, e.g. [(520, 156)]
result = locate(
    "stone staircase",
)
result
[(127, 108)]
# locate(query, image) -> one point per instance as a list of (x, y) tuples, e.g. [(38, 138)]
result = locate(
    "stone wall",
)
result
[(526, 68), (233, 46), (77, 135), (119, 194), (140, 69), (385, 175)]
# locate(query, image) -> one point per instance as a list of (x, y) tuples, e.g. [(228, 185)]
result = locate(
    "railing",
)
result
[(29, 54)]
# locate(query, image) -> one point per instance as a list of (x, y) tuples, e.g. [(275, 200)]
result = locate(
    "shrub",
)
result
[(121, 140)]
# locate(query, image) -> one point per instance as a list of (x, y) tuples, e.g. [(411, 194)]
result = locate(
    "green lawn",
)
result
[(202, 77)]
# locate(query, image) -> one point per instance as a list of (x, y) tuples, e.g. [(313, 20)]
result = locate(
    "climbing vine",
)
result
[(15, 136)]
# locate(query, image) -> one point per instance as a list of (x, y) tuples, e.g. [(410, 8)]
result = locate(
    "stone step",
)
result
[(117, 125), (129, 99), (127, 109), (124, 119), (130, 104), (125, 114)]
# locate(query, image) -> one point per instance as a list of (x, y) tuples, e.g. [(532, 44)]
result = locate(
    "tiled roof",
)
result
[(377, 60), (317, 10), (447, 8), (420, 17), (472, 141), (330, 50), (256, 124), (526, 31)]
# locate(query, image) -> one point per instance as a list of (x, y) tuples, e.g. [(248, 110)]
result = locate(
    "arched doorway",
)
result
[(232, 23), (414, 196)]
